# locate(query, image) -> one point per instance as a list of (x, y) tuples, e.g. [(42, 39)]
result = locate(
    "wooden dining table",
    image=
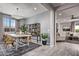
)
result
[(18, 36)]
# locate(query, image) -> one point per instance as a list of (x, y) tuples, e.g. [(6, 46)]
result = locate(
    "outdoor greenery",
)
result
[(77, 30)]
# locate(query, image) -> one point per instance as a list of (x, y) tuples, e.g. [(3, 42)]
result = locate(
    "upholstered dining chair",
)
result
[(8, 40)]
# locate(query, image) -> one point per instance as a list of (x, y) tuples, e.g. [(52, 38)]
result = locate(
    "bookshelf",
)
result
[(34, 29)]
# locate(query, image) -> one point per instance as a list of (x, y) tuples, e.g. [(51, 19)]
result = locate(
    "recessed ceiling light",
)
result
[(35, 8), (60, 14)]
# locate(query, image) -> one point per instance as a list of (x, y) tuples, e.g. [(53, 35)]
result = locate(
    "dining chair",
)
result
[(8, 41)]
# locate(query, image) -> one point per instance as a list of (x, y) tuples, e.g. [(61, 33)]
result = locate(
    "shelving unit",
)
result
[(34, 29)]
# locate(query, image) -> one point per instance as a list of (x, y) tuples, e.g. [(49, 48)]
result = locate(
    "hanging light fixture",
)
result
[(17, 15)]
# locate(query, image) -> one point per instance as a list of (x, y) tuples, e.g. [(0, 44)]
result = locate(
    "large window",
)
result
[(12, 23), (8, 23), (77, 26)]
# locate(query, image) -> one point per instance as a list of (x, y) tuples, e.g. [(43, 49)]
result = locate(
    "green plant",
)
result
[(44, 36), (23, 28), (77, 30)]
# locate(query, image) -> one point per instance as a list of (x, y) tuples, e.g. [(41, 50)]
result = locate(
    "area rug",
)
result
[(20, 51)]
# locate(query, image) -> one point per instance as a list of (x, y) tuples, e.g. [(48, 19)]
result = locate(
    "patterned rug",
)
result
[(21, 50)]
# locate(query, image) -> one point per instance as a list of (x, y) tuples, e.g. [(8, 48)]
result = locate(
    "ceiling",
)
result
[(57, 4), (25, 10), (66, 10)]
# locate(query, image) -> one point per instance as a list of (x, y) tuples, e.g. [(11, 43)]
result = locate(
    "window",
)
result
[(77, 26), (8, 23), (5, 22), (12, 23)]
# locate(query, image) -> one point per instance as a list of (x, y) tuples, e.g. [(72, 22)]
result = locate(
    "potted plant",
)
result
[(44, 38), (23, 28)]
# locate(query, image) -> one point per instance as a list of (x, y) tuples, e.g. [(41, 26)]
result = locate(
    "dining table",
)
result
[(17, 37)]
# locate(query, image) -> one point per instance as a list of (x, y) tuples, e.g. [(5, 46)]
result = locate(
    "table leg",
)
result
[(28, 40), (17, 40)]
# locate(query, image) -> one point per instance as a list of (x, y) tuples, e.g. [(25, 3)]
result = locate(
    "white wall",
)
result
[(22, 22), (1, 25), (43, 19)]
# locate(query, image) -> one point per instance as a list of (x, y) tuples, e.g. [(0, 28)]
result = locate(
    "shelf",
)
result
[(34, 28)]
